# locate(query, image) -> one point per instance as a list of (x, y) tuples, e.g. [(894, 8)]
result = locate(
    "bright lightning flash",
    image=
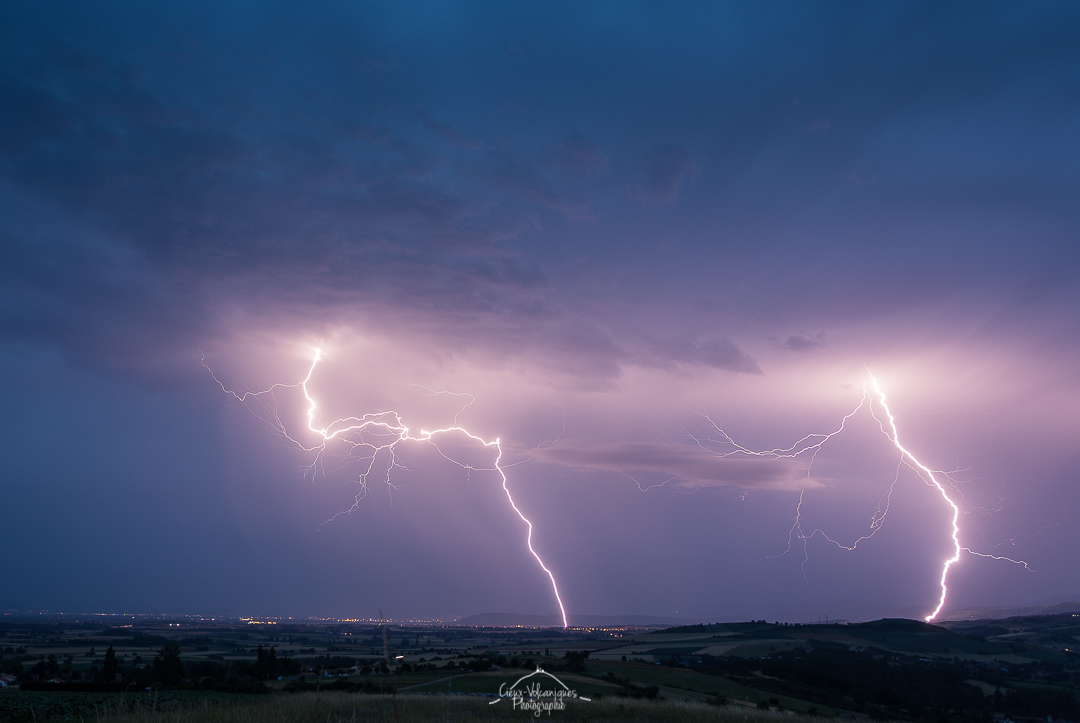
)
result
[(895, 438), (812, 444), (375, 435)]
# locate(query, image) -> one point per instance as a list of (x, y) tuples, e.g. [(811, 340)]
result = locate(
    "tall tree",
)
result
[(265, 663), (111, 665), (168, 668)]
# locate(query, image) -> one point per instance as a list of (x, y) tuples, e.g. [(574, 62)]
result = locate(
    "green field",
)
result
[(886, 669), (346, 707)]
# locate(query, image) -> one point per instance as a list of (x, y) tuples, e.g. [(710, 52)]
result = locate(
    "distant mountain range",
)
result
[(507, 620), (998, 613)]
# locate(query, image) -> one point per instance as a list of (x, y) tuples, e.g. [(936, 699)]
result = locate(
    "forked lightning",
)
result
[(811, 444), (380, 433)]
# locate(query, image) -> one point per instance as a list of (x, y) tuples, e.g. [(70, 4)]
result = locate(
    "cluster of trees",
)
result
[(575, 660), (629, 690), (884, 685), (44, 668), (526, 663), (11, 667), (167, 670), (412, 667), (472, 664)]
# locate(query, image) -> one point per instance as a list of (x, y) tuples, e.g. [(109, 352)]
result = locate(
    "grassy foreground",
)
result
[(346, 707)]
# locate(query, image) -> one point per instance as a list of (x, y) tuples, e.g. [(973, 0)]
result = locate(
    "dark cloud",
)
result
[(157, 177), (691, 464), (447, 133), (801, 343), (661, 175), (578, 154), (506, 172), (716, 352), (365, 132), (189, 213)]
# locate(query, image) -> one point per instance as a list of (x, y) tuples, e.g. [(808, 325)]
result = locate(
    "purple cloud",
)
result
[(697, 467), (661, 175), (801, 343)]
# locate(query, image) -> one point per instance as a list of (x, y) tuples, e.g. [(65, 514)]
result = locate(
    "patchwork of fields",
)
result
[(898, 669)]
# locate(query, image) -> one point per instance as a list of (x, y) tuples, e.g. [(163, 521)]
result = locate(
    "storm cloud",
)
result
[(593, 221)]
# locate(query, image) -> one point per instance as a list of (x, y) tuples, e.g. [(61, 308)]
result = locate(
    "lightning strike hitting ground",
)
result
[(375, 434), (812, 444), (895, 439)]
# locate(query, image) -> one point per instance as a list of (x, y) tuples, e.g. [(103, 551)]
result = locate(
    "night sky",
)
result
[(609, 223)]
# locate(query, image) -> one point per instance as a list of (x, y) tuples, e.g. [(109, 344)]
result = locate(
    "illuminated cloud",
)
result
[(694, 466)]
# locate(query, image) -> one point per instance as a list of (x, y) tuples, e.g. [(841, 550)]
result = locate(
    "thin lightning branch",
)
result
[(562, 413), (997, 557), (649, 487), (876, 521), (437, 393), (1012, 540), (812, 444), (793, 451), (381, 432)]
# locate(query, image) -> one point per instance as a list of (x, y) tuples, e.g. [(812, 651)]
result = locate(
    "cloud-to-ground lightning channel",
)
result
[(957, 547), (812, 443), (378, 433)]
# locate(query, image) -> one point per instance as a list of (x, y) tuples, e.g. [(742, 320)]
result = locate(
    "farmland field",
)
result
[(342, 707), (157, 669)]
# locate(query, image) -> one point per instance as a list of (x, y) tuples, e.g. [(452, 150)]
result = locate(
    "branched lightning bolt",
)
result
[(379, 433), (929, 476), (812, 444)]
